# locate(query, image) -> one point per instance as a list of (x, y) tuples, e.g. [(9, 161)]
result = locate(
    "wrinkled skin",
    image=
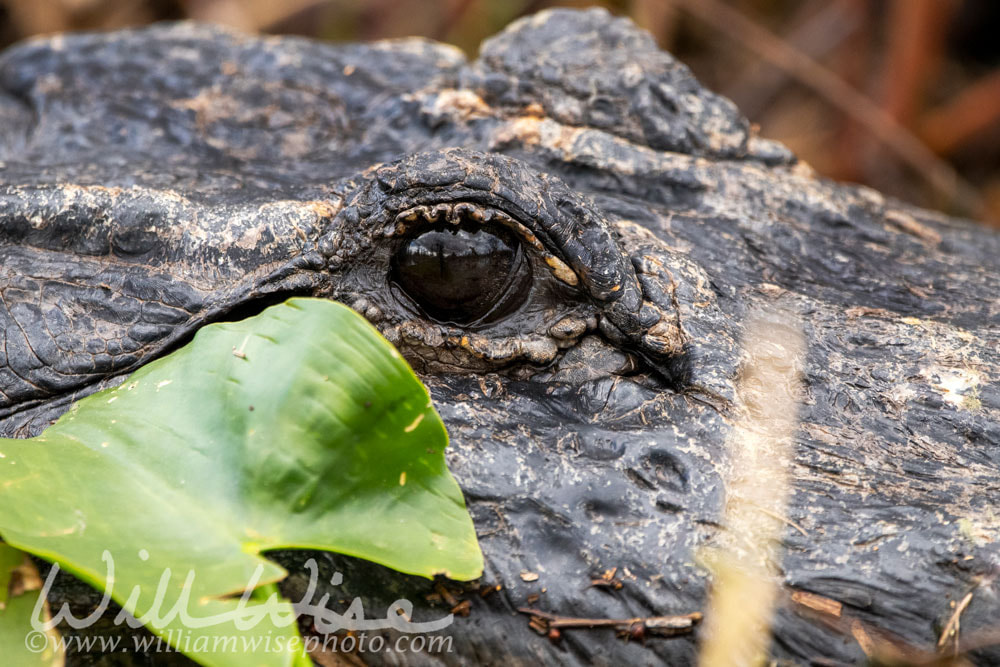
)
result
[(153, 181)]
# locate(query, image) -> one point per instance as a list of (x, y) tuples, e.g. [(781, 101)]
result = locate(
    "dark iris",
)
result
[(462, 274)]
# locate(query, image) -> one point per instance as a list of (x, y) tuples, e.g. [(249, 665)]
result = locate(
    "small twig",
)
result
[(239, 353), (783, 519), (607, 580), (951, 628), (862, 637), (979, 640), (446, 595), (819, 603), (500, 526), (664, 626), (883, 648)]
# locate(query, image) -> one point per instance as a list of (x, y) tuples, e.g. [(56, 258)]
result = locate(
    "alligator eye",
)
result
[(463, 273)]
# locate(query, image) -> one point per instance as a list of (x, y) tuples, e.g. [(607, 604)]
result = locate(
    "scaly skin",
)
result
[(152, 181)]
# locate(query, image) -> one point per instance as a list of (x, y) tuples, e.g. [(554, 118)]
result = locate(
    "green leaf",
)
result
[(298, 428), (21, 645), (10, 560)]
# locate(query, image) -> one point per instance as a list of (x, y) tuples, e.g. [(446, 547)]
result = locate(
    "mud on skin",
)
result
[(618, 223)]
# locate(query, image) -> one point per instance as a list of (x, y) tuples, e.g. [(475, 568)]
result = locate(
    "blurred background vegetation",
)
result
[(902, 95)]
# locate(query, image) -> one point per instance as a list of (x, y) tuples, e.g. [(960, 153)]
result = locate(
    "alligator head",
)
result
[(565, 237)]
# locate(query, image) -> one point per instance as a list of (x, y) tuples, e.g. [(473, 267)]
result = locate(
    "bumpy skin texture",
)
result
[(155, 180)]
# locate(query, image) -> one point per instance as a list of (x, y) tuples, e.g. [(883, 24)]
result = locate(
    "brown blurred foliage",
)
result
[(902, 95)]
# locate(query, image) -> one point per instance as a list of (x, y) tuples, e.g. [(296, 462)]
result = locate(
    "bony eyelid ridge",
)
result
[(580, 247)]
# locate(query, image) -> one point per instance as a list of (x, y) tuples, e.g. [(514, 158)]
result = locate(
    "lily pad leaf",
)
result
[(300, 427), (20, 587)]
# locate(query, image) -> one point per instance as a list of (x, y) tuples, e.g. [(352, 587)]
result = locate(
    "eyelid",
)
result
[(456, 212), (579, 241), (568, 225)]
